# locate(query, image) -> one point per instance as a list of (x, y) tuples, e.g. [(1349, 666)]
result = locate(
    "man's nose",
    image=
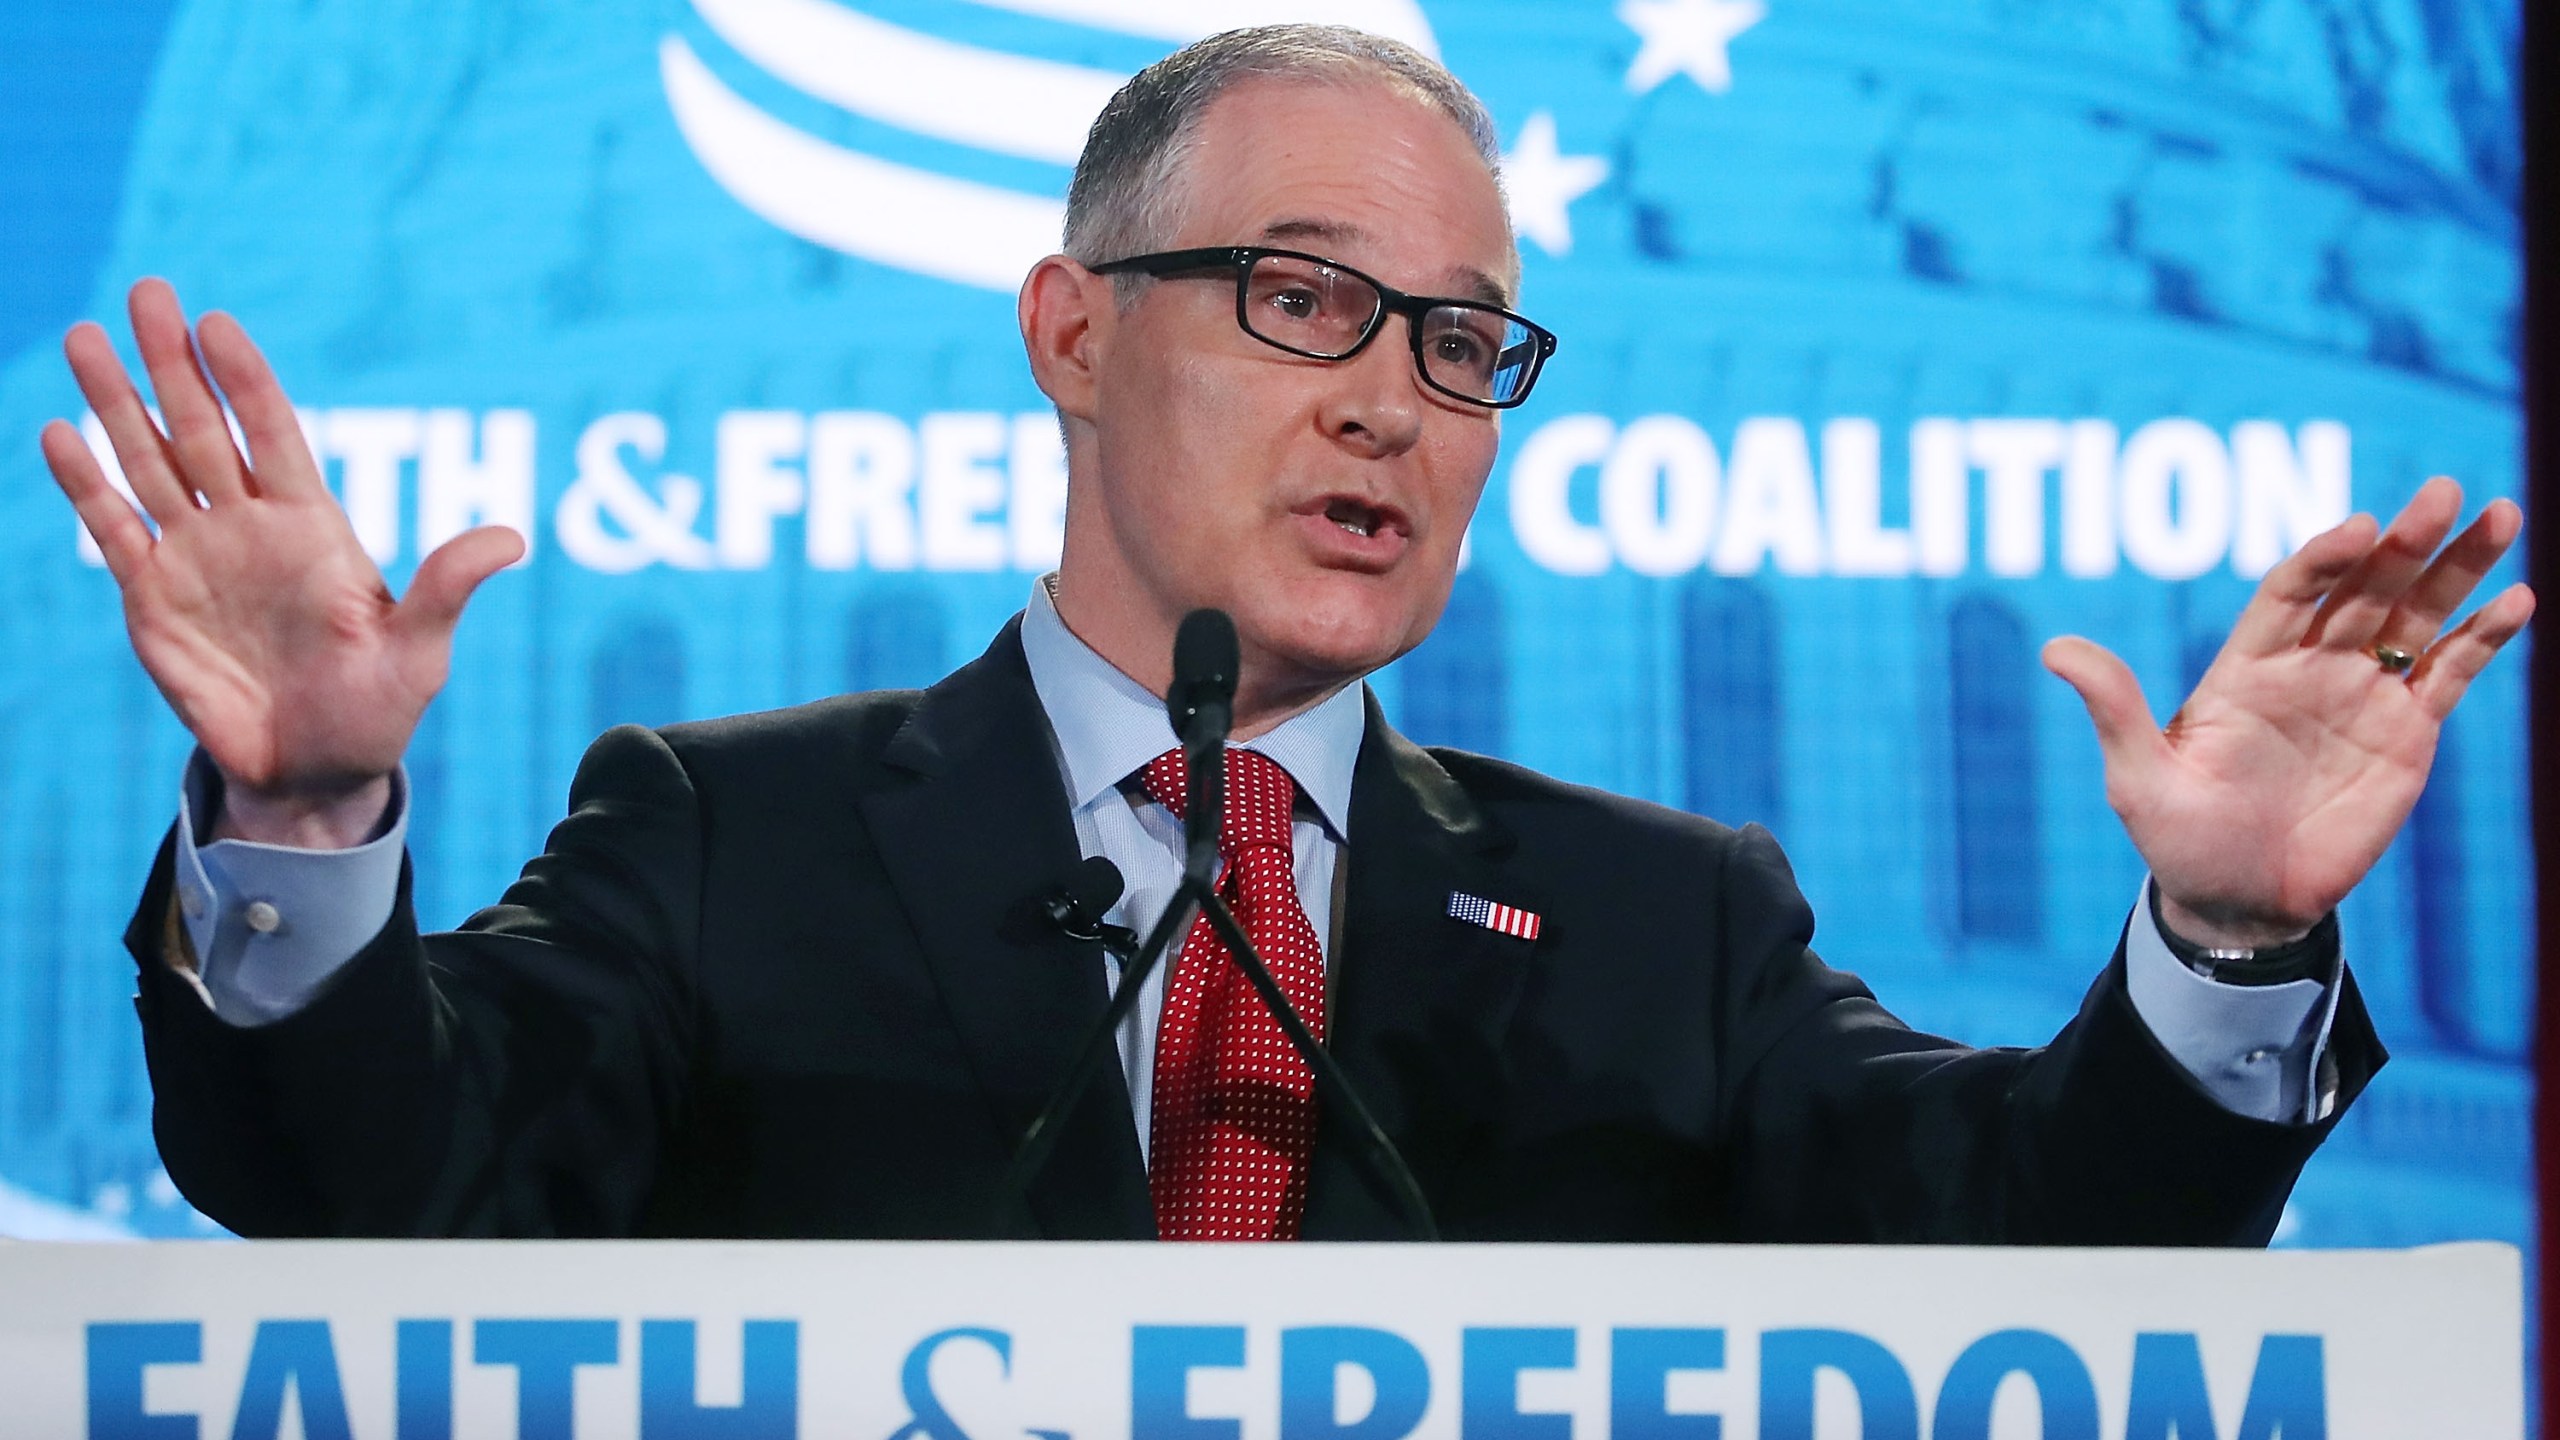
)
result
[(1375, 404)]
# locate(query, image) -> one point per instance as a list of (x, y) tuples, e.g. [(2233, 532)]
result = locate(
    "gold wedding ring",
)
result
[(2395, 661)]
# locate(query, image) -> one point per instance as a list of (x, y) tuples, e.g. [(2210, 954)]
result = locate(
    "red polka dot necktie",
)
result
[(1234, 1114)]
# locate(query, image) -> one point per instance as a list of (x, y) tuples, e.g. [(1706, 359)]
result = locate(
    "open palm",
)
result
[(2280, 782), (254, 609)]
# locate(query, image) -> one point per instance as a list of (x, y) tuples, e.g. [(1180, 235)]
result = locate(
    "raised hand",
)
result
[(2283, 778), (254, 609)]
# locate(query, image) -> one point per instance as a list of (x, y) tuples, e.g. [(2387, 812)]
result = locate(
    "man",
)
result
[(777, 975)]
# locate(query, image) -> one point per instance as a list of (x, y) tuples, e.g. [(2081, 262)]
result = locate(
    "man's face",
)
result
[(1320, 503)]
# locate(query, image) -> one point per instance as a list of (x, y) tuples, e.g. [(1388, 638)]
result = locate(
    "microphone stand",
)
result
[(1032, 1151), (1199, 703), (1191, 897), (1194, 896), (1335, 1085)]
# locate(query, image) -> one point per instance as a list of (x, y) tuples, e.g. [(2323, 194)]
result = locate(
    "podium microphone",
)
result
[(1201, 705)]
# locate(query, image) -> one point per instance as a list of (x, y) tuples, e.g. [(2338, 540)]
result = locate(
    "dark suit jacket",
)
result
[(780, 975)]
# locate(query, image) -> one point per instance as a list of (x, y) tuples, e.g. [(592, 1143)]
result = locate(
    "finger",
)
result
[(2134, 748), (2450, 665), (2353, 614), (2280, 614), (122, 537), (141, 450), (446, 579), (199, 437), (2451, 577), (279, 454)]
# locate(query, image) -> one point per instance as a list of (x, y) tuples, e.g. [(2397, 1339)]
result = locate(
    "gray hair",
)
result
[(1128, 192)]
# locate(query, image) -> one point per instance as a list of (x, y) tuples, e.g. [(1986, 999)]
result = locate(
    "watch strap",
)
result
[(2308, 958)]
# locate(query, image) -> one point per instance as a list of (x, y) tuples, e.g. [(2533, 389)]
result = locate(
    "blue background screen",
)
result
[(1897, 338)]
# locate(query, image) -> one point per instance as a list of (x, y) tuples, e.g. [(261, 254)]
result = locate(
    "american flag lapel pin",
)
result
[(1502, 919)]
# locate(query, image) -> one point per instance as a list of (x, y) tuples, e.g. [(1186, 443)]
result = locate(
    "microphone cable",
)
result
[(1082, 923)]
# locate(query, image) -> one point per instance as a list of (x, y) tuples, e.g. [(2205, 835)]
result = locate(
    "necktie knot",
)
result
[(1262, 800)]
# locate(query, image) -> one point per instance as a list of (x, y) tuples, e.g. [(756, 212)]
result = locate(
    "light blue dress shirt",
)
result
[(1107, 726), (270, 924)]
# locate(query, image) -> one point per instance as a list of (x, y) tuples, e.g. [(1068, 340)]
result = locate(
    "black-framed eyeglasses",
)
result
[(1325, 310)]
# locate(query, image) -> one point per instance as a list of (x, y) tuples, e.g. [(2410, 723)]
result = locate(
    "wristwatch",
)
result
[(2304, 959)]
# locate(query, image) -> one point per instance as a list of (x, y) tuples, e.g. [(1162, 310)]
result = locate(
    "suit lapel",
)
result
[(973, 826), (1421, 1001)]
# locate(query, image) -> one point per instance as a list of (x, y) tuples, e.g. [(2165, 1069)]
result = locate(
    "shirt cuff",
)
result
[(2256, 1049), (271, 923)]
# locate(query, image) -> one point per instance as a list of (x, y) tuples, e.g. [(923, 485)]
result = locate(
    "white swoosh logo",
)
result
[(1014, 105), (1009, 104), (1199, 19), (912, 219)]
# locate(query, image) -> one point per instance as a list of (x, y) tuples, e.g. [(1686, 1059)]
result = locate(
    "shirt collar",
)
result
[(1108, 725)]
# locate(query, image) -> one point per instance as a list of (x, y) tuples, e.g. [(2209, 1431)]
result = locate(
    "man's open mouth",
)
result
[(1361, 520)]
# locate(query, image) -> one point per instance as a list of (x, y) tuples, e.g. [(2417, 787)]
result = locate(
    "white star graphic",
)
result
[(1543, 183), (1688, 35)]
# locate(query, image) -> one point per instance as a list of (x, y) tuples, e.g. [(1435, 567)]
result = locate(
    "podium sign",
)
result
[(694, 1341)]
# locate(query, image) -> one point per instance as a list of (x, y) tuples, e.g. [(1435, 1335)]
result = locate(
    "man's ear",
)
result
[(1067, 314)]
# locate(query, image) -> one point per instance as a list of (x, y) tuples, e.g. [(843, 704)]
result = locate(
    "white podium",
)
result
[(668, 1341)]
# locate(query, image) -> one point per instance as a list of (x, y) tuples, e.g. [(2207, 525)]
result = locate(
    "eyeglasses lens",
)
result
[(1481, 354), (1308, 307)]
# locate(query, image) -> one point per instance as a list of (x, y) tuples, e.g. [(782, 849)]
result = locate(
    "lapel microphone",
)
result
[(1201, 705), (1077, 906)]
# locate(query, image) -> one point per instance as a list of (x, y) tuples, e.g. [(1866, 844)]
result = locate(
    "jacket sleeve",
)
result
[(1843, 1124), (518, 1077)]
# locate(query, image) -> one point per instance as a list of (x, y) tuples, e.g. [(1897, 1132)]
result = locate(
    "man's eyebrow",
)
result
[(1335, 232), (1480, 286), (1472, 284)]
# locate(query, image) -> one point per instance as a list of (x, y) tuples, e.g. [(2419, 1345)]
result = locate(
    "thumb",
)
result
[(2132, 744), (446, 578)]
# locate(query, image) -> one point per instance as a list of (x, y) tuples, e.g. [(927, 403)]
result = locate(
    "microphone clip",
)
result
[(1077, 906), (1119, 940)]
